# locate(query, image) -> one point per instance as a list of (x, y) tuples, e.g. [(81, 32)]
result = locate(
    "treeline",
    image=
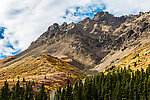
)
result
[(116, 85), (22, 93)]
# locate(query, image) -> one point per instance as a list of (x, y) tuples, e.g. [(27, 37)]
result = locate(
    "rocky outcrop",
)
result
[(89, 41), (85, 42)]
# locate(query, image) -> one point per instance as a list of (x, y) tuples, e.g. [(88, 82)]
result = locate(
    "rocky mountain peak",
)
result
[(101, 16), (105, 16), (84, 21), (91, 40), (53, 27), (64, 25)]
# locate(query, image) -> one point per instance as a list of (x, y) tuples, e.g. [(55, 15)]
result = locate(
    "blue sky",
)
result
[(1, 32), (23, 21), (77, 13), (89, 12)]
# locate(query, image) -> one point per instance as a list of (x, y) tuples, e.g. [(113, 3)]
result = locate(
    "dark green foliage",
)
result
[(122, 84), (24, 80), (42, 95), (19, 93), (45, 77), (33, 83), (28, 95), (68, 93), (18, 77), (5, 92)]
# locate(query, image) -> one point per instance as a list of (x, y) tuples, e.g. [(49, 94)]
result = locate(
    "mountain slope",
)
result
[(84, 42), (41, 69), (138, 59), (91, 42), (134, 33)]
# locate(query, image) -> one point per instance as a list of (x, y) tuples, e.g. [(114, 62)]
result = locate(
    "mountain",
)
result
[(41, 69), (139, 58), (134, 33), (89, 46), (86, 42), (91, 42)]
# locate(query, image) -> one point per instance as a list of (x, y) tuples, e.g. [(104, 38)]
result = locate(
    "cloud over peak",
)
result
[(26, 20)]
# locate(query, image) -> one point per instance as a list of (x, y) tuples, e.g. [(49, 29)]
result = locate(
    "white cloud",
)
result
[(126, 7), (26, 20)]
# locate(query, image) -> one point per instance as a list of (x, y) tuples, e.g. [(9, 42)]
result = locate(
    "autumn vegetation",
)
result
[(42, 69), (122, 84)]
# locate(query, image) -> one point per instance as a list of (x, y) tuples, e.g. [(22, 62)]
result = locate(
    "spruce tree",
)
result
[(5, 92), (42, 94), (68, 93)]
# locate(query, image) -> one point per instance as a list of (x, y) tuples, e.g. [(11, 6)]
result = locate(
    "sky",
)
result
[(23, 21)]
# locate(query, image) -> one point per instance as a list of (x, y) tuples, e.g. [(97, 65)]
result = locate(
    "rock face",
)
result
[(90, 41)]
